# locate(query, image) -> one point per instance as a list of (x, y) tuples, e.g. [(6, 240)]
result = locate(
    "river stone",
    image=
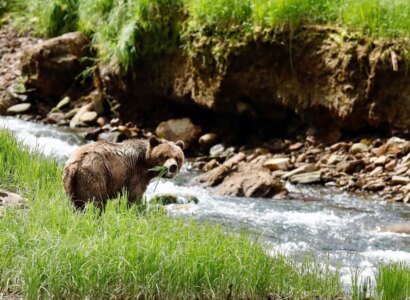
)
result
[(250, 181), (274, 164), (210, 165), (358, 148), (112, 137), (351, 166), (55, 118), (296, 146), (17, 91), (167, 199), (307, 178), (407, 198), (89, 117), (207, 140), (19, 108), (380, 161), (11, 200), (307, 168), (75, 121), (397, 228), (400, 180), (217, 150), (179, 129), (52, 67)]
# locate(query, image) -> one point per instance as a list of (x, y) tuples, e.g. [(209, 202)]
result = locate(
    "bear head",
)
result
[(167, 154)]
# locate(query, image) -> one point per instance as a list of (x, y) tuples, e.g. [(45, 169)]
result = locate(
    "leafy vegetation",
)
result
[(125, 30), (51, 251)]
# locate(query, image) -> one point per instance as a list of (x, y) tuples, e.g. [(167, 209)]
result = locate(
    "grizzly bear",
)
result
[(98, 171)]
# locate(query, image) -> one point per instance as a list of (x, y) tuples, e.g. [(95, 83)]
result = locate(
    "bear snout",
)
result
[(172, 168)]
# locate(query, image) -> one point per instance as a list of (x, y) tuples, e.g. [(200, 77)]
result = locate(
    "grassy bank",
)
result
[(51, 251), (125, 30)]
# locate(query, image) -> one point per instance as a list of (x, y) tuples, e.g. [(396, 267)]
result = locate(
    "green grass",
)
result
[(127, 32), (393, 282), (51, 251)]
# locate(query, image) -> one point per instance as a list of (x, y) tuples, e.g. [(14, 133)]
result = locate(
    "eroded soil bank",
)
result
[(313, 105)]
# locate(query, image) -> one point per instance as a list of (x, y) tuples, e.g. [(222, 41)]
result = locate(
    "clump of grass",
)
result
[(393, 281), (52, 251)]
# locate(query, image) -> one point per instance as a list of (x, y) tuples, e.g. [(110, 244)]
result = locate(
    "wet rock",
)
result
[(376, 171), (307, 178), (208, 140), (390, 165), (212, 164), (250, 181), (76, 120), (17, 92), (179, 129), (102, 121), (52, 67), (19, 108), (380, 161), (277, 164), (296, 146), (167, 199), (217, 150), (407, 198), (340, 146), (112, 137), (394, 146), (334, 159), (306, 168), (11, 201), (400, 180), (375, 186), (88, 117), (358, 148), (397, 228), (350, 166), (55, 118)]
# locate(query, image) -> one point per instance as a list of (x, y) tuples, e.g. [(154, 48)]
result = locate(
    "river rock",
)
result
[(179, 129), (88, 117), (407, 198), (307, 178), (397, 228), (17, 91), (400, 180), (250, 181), (274, 164), (11, 200), (296, 146), (53, 67), (380, 161), (112, 137), (208, 140), (306, 168), (19, 108), (350, 166), (76, 120), (358, 148), (210, 165), (55, 118)]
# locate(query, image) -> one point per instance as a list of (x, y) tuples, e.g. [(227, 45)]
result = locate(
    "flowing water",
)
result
[(338, 226)]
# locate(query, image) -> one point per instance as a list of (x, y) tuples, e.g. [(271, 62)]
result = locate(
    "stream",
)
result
[(341, 227)]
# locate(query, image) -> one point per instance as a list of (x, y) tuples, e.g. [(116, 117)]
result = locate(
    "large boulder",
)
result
[(235, 177), (52, 67), (179, 129)]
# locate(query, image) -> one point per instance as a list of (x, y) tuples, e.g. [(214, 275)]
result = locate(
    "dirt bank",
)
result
[(314, 75)]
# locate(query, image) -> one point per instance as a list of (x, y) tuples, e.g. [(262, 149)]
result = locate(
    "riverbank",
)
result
[(153, 255), (48, 250)]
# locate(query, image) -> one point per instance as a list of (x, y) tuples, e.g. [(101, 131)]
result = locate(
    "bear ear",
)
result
[(180, 144), (153, 141)]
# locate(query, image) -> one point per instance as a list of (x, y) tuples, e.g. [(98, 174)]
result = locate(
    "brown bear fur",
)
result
[(98, 171)]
